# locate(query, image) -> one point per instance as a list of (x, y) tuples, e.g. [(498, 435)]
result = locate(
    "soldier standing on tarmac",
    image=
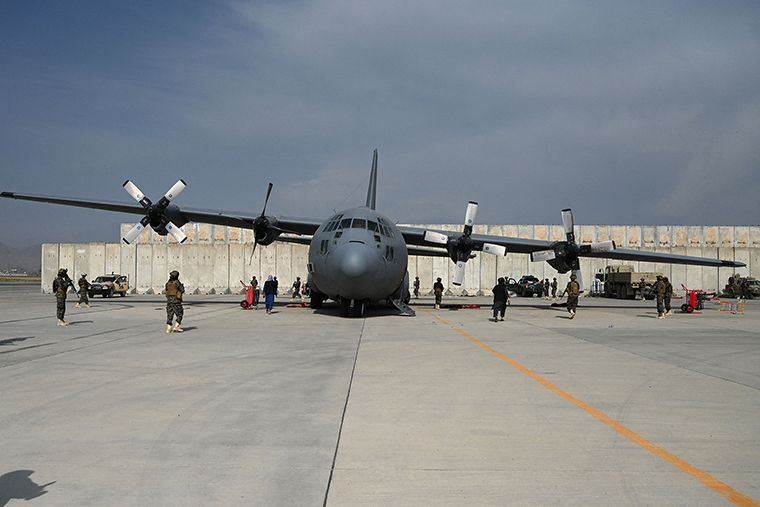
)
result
[(573, 290), (746, 293), (668, 294), (554, 288), (297, 289), (659, 291), (438, 291), (174, 291), (84, 286), (416, 287), (61, 285), (547, 284)]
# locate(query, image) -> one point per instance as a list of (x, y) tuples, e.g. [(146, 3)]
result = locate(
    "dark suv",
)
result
[(529, 285)]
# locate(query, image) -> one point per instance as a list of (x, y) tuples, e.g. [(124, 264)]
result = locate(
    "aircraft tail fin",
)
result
[(372, 190)]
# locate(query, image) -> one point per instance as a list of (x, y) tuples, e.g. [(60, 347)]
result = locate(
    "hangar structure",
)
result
[(214, 259)]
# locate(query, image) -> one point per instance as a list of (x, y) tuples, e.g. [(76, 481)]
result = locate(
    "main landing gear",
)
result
[(355, 310)]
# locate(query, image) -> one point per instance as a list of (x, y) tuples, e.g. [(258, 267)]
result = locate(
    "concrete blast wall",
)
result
[(214, 258)]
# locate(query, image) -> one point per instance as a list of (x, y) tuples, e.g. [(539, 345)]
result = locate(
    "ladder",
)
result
[(732, 307), (403, 307)]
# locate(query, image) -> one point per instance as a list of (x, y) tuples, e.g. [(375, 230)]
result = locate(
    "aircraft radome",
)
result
[(359, 256)]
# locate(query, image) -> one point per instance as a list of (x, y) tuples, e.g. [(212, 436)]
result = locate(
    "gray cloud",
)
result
[(641, 112)]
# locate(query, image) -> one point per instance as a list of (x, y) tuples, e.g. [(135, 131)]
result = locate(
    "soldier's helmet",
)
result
[(62, 271), (659, 277), (573, 277), (665, 279), (84, 274), (174, 274)]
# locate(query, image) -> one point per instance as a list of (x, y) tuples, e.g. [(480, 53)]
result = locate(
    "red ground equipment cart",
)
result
[(247, 303), (695, 298)]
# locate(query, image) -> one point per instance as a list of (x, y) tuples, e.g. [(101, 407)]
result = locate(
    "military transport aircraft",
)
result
[(359, 255)]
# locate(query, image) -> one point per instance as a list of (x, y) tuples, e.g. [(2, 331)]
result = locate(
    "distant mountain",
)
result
[(27, 258)]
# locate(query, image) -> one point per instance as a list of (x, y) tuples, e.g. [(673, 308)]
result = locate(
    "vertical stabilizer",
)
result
[(372, 190)]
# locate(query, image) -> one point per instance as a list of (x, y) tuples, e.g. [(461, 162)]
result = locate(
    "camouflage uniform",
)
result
[(438, 291), (61, 285), (668, 294), (659, 291), (84, 286), (174, 291), (573, 290)]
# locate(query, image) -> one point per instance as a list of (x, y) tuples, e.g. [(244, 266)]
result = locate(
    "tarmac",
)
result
[(448, 408)]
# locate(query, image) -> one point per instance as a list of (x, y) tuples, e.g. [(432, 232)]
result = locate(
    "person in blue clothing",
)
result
[(270, 291)]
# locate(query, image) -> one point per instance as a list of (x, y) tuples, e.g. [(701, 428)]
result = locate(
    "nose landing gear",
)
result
[(347, 309)]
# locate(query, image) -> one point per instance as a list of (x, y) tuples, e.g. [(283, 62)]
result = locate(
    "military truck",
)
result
[(734, 287), (108, 285), (623, 282)]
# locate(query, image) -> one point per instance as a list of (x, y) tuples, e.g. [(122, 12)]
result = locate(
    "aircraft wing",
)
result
[(294, 225), (416, 236)]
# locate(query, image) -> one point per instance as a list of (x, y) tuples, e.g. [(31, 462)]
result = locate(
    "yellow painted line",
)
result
[(711, 482)]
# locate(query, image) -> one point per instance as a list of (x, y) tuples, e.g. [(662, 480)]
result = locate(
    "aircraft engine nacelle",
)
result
[(170, 215), (559, 264), (265, 230)]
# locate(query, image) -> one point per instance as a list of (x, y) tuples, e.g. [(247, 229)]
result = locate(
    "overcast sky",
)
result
[(643, 112)]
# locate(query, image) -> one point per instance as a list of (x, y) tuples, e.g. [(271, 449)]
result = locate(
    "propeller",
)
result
[(460, 247), (261, 224), (156, 213), (564, 255)]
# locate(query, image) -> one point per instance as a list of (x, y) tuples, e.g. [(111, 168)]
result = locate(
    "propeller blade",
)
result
[(269, 191), (176, 232), (136, 194), (602, 246), (135, 231), (175, 190), (472, 211), (436, 237), (458, 273), (543, 255), (567, 222), (494, 249)]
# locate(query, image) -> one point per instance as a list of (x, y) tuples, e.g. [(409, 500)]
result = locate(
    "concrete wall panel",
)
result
[(50, 265), (221, 267), (237, 268), (144, 263), (160, 270)]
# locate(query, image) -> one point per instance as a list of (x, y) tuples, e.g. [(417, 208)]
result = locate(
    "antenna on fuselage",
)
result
[(372, 189)]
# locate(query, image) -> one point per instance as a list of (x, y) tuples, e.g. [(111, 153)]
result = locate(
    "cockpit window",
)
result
[(333, 223), (345, 223), (359, 223), (371, 226)]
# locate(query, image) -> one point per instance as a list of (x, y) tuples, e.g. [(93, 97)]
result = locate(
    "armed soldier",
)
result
[(668, 294), (659, 291), (746, 293), (297, 289), (547, 286), (61, 286), (174, 291), (438, 291), (572, 290), (84, 287), (554, 288)]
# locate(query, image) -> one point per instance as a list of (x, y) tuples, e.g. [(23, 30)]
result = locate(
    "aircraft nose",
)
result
[(355, 268)]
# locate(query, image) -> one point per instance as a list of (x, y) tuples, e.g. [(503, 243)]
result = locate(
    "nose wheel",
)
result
[(355, 310)]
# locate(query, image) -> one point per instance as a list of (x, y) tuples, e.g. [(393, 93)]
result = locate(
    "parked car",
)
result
[(529, 285), (108, 285)]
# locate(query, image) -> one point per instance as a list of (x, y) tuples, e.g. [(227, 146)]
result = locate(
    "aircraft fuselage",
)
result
[(358, 255)]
